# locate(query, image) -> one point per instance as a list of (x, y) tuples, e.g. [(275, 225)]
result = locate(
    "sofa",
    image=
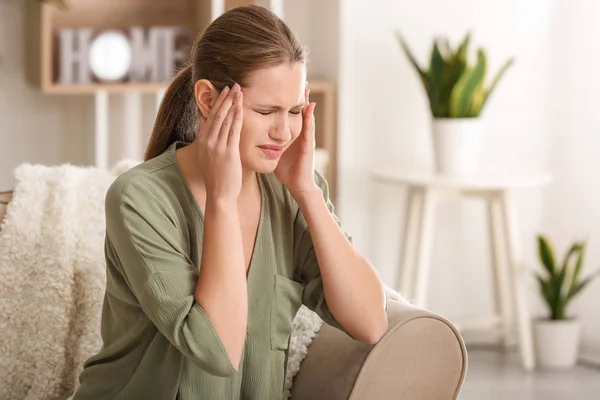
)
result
[(422, 356)]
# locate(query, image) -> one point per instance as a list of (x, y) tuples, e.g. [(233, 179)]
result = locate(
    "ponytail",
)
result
[(178, 115)]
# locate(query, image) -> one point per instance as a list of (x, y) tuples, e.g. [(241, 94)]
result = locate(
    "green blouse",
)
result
[(158, 343)]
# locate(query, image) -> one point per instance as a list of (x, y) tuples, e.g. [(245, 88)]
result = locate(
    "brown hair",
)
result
[(237, 43)]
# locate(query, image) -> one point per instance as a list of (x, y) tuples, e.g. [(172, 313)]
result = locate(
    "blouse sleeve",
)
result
[(148, 249), (306, 261)]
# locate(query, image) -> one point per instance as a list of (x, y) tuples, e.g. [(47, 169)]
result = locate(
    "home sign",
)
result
[(135, 56)]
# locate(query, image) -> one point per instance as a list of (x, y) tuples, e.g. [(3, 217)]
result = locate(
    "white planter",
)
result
[(557, 343), (456, 145)]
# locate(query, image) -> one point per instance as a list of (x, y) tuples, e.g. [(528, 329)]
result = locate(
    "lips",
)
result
[(271, 147), (271, 151)]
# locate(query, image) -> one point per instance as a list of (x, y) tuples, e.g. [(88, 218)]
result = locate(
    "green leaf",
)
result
[(546, 254), (436, 67), (461, 98), (460, 60), (413, 60), (479, 93), (496, 79), (558, 281), (478, 99), (572, 251), (559, 312), (454, 68), (445, 50), (566, 268), (578, 264), (461, 52), (579, 287), (546, 291)]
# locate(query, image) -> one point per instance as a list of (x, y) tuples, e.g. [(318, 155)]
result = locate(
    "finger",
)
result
[(219, 117), (236, 127), (308, 118), (308, 126), (226, 126), (224, 94), (312, 125), (306, 101)]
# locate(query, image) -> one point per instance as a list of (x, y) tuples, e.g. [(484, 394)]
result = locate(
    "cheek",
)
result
[(295, 127), (252, 130)]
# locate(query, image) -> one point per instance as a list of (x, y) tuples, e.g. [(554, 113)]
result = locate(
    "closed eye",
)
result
[(270, 112)]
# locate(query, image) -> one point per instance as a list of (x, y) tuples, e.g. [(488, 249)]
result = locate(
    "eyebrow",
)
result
[(274, 107)]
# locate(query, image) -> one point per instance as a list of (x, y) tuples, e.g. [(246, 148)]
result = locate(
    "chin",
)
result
[(263, 166)]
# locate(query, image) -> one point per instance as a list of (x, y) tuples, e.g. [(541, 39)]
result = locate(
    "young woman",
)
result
[(217, 239)]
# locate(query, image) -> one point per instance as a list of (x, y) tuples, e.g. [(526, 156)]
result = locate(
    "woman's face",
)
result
[(273, 101)]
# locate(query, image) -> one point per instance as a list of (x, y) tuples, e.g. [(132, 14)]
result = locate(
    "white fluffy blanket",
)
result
[(52, 280)]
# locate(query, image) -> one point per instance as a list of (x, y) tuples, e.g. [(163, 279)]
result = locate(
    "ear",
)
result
[(206, 95)]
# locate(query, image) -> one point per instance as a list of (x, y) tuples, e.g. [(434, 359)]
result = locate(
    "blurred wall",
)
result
[(33, 127), (572, 204)]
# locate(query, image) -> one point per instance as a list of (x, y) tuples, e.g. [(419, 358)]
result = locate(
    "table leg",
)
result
[(406, 275), (424, 246), (517, 281), (502, 289)]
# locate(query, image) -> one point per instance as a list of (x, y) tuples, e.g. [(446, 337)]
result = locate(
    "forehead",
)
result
[(283, 84)]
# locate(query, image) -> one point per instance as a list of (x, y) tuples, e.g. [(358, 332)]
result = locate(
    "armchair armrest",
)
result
[(422, 356)]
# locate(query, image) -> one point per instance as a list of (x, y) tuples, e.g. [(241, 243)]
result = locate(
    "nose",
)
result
[(281, 131)]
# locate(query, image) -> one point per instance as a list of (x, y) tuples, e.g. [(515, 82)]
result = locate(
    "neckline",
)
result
[(262, 212)]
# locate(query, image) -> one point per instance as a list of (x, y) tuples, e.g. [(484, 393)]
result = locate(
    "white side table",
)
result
[(425, 190)]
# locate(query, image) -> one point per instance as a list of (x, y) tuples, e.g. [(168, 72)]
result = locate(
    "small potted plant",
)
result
[(457, 92), (557, 335)]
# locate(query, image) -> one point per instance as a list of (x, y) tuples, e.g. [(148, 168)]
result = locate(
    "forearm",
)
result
[(353, 289), (221, 290)]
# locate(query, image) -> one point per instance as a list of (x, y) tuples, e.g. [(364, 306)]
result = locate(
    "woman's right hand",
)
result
[(219, 146)]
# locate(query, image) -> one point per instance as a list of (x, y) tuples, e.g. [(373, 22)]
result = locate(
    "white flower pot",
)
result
[(456, 145), (557, 342)]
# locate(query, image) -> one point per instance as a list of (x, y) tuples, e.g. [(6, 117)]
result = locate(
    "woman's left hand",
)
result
[(296, 166)]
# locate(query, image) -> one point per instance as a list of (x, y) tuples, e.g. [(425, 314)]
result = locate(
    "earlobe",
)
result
[(205, 94)]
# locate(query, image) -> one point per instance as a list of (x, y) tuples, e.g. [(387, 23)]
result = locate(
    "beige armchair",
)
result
[(422, 356)]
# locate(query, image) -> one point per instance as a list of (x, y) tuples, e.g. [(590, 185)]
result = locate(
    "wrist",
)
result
[(308, 198), (216, 203)]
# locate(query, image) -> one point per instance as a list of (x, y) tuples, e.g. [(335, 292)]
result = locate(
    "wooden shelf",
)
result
[(109, 87), (317, 87), (44, 21)]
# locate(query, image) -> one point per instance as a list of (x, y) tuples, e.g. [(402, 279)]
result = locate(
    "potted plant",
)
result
[(457, 94), (557, 335)]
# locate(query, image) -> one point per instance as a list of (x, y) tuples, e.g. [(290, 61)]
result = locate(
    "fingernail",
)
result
[(226, 89), (236, 86)]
